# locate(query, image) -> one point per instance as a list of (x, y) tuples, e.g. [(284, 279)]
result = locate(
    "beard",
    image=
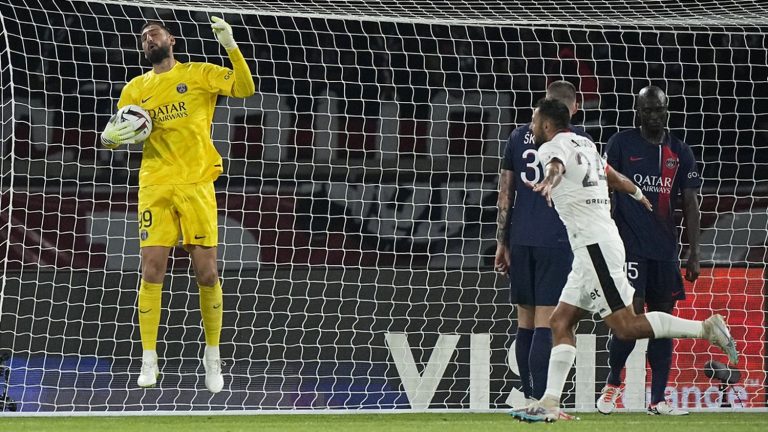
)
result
[(157, 55)]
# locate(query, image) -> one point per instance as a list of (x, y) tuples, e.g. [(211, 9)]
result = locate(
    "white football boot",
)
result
[(149, 370), (608, 397), (214, 380), (715, 330), (664, 408)]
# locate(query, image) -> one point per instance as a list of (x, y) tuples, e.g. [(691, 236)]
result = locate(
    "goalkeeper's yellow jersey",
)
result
[(181, 103)]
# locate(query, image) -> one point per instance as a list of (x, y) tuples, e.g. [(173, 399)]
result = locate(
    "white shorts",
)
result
[(597, 281)]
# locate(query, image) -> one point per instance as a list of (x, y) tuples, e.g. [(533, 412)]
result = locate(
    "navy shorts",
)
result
[(537, 275), (655, 281)]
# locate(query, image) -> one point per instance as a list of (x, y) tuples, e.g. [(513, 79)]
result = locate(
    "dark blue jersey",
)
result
[(662, 172), (533, 222)]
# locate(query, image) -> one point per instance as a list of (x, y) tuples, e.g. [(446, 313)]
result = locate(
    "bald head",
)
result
[(652, 93), (652, 112), (564, 92)]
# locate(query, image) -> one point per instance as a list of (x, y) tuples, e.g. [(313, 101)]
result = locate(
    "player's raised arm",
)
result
[(553, 174), (242, 80), (618, 182)]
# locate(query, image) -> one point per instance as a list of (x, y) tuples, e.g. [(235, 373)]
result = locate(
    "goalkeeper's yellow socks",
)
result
[(211, 300), (150, 295)]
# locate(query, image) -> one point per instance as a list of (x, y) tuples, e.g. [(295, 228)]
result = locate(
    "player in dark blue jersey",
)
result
[(533, 248), (664, 168)]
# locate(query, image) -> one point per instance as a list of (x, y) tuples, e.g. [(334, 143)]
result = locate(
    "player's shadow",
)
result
[(726, 377)]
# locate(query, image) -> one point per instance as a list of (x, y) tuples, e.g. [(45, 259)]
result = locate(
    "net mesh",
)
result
[(358, 205)]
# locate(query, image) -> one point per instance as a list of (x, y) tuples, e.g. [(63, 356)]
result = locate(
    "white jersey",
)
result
[(581, 198)]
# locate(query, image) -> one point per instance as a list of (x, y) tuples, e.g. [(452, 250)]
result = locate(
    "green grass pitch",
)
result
[(696, 422)]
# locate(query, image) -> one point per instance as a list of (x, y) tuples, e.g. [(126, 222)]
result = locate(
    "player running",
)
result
[(577, 180)]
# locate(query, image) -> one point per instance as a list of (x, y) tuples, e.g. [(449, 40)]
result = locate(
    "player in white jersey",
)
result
[(577, 180), (581, 198)]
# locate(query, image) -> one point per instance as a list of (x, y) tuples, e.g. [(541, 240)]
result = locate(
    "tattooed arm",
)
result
[(506, 184)]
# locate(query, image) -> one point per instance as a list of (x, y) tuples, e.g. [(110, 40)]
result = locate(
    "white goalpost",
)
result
[(357, 209)]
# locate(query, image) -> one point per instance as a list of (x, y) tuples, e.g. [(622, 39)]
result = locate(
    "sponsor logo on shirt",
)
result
[(653, 183), (598, 201), (170, 111)]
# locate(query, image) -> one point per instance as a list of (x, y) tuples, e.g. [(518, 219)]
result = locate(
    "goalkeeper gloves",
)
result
[(117, 134), (223, 32)]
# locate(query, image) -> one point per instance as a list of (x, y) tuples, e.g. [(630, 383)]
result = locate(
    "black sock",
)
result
[(660, 358), (618, 352), (522, 351), (538, 360)]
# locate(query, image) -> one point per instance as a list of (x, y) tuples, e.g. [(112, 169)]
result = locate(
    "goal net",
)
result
[(357, 209)]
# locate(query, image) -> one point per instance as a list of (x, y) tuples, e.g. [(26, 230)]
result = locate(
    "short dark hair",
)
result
[(554, 111), (155, 23), (562, 90)]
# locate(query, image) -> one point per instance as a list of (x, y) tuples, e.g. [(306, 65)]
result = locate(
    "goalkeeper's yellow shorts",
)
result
[(168, 212)]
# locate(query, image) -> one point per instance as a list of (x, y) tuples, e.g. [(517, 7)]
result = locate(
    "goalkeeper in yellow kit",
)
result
[(176, 193)]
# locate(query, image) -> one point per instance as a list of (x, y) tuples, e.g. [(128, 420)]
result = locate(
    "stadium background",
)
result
[(358, 200)]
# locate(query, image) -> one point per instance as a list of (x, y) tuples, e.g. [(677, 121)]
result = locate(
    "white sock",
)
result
[(149, 355), (212, 352), (560, 362), (665, 325)]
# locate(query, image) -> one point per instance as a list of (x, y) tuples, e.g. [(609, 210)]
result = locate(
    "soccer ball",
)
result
[(138, 117)]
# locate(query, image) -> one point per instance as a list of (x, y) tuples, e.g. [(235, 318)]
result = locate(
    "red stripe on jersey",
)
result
[(669, 165)]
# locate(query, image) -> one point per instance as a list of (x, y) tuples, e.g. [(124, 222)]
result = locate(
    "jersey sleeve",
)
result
[(128, 96), (229, 82), (689, 175), (507, 162), (613, 153), (218, 79), (553, 150)]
